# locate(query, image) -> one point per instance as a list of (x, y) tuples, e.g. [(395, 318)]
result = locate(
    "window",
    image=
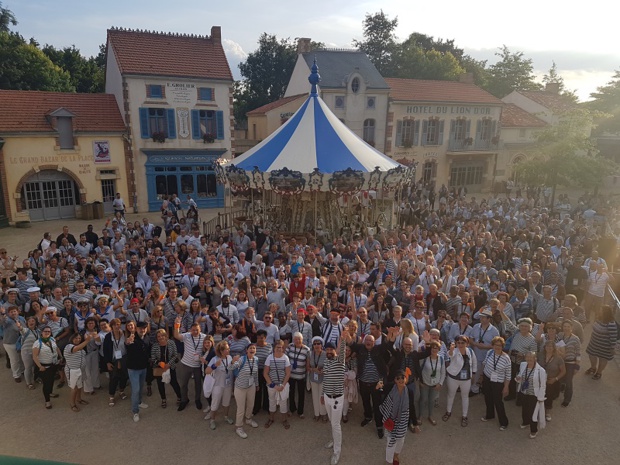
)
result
[(486, 129), (64, 126), (466, 175), (155, 91), (108, 190), (205, 93), (369, 131), (208, 122), (156, 120), (434, 132), (207, 185), (166, 185), (460, 129), (408, 125), (429, 171), (370, 103), (355, 85), (339, 101), (187, 183)]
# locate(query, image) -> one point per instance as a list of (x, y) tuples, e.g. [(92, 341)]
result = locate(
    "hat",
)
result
[(526, 321), (486, 312), (102, 296), (99, 265), (302, 310), (134, 301), (33, 289), (141, 324), (329, 345), (110, 270), (83, 300), (51, 310), (311, 307), (12, 289), (318, 338)]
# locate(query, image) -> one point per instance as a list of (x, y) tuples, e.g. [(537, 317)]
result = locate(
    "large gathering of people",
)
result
[(471, 296)]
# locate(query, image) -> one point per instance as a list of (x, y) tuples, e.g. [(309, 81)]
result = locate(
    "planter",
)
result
[(23, 224)]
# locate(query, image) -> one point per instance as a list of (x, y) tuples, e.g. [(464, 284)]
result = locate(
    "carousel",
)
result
[(313, 175)]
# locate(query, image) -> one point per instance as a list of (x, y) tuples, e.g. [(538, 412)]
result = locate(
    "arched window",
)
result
[(355, 85), (369, 131)]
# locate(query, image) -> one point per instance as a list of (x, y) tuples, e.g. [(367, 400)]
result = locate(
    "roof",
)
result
[(168, 54), (515, 117), (336, 65), (270, 106), (551, 100), (26, 111), (424, 90)]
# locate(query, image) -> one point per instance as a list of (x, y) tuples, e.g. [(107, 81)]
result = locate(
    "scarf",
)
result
[(399, 402)]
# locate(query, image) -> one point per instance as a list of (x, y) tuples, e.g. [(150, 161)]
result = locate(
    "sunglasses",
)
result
[(317, 344)]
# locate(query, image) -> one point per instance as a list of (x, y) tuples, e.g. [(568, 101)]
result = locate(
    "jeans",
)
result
[(428, 394), (453, 385), (47, 376), (136, 379), (184, 374), (298, 385)]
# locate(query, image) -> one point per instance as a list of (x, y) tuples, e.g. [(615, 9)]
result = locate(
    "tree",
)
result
[(564, 155), (553, 77), (379, 41), (606, 99), (7, 18), (87, 74), (511, 72), (428, 43), (266, 73), (478, 68), (414, 62), (23, 66)]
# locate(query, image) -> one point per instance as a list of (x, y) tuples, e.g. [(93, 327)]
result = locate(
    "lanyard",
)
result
[(496, 361), (116, 343), (225, 363), (196, 344), (434, 368), (527, 376), (481, 338), (275, 364), (316, 360), (251, 365)]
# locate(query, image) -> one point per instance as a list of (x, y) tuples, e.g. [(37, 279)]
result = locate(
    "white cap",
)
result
[(33, 289)]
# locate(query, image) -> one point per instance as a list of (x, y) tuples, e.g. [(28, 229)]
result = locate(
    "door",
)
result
[(108, 192), (50, 195)]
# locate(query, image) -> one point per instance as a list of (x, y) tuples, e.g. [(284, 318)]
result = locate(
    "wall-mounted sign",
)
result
[(101, 151), (181, 92), (447, 110), (183, 119)]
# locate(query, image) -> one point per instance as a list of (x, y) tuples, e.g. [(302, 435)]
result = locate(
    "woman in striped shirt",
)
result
[(522, 343), (572, 358), (277, 372), (238, 340), (221, 367), (497, 374), (603, 341), (297, 353), (395, 407), (75, 358), (246, 385), (316, 360)]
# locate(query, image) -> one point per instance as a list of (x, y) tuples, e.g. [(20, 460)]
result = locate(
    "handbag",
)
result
[(158, 372), (207, 385), (388, 425)]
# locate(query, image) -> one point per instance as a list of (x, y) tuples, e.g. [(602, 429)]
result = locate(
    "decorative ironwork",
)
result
[(315, 180), (237, 178), (394, 178), (348, 181), (287, 182), (375, 179), (258, 178)]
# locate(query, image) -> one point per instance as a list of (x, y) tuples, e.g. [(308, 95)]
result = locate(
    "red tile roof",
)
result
[(551, 100), (515, 117), (422, 90), (168, 54), (270, 106), (25, 111)]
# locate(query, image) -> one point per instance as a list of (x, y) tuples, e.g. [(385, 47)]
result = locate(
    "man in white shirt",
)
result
[(228, 310), (190, 364), (273, 332)]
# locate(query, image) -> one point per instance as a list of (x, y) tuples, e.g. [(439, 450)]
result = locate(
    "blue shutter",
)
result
[(156, 91), (416, 132), (424, 131), (172, 124), (440, 133), (399, 134), (196, 125), (205, 93), (144, 123), (220, 124)]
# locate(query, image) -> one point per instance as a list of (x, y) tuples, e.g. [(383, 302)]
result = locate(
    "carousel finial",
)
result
[(314, 78)]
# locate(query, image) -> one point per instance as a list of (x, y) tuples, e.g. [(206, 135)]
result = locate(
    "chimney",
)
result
[(552, 87), (216, 33), (303, 45), (466, 78)]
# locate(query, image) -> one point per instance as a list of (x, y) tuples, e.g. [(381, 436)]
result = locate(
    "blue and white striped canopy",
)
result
[(314, 138)]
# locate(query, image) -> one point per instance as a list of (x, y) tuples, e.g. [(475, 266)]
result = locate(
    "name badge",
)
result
[(197, 357), (315, 377), (251, 381), (118, 355), (463, 374), (575, 282), (227, 382), (494, 378)]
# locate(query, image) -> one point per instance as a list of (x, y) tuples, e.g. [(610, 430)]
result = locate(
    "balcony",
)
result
[(474, 145)]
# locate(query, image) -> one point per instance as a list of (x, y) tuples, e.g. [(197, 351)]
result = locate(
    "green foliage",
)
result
[(553, 77), (417, 63), (23, 66), (606, 99), (7, 18), (511, 72), (87, 74), (380, 42), (266, 73)]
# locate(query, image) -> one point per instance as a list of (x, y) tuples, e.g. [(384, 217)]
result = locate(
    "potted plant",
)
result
[(468, 141), (159, 136), (407, 143), (208, 138), (495, 140)]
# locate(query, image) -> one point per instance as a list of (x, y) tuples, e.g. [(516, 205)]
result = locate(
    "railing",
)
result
[(613, 300), (225, 220), (470, 144)]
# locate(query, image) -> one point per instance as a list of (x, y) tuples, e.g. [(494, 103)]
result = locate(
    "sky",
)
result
[(579, 38)]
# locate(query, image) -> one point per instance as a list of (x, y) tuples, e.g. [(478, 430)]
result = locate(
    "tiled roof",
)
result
[(270, 106), (336, 65), (551, 100), (161, 54), (515, 117), (422, 90), (25, 111)]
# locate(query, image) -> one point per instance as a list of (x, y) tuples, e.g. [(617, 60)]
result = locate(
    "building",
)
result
[(59, 151), (351, 87), (175, 96), (451, 129), (264, 120)]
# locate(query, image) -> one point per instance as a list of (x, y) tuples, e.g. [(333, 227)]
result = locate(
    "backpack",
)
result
[(237, 370), (157, 231)]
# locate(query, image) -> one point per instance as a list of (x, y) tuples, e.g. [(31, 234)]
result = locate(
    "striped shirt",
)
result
[(298, 357), (497, 367), (262, 352), (523, 344), (333, 373), (371, 374), (74, 360), (277, 368), (572, 348), (192, 349), (597, 283), (248, 369), (238, 346), (304, 328)]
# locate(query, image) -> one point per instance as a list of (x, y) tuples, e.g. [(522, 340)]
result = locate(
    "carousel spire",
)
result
[(314, 78)]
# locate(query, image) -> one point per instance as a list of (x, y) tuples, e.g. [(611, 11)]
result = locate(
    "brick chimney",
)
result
[(466, 78), (552, 87), (303, 45), (216, 33)]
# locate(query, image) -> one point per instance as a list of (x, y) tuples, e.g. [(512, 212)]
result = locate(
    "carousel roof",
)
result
[(314, 138)]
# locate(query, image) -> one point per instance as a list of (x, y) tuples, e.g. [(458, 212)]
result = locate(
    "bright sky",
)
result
[(579, 39)]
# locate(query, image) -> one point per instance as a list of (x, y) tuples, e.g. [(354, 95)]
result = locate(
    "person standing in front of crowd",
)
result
[(395, 413), (246, 387), (138, 352), (481, 340), (12, 324), (552, 362), (462, 369), (47, 357), (164, 357), (91, 368), (297, 353), (433, 375), (497, 373), (572, 359), (316, 361), (277, 372), (603, 341), (532, 385), (190, 362), (29, 334), (221, 367), (75, 368), (114, 356), (263, 350)]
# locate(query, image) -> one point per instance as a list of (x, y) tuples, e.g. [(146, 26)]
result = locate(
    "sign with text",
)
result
[(447, 110), (101, 151), (181, 92)]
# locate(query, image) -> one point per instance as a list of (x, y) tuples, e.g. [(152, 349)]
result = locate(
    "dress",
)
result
[(603, 340)]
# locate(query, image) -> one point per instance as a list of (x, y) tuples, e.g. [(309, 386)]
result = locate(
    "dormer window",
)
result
[(355, 85), (62, 121)]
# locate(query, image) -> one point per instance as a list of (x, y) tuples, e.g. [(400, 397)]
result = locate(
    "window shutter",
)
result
[(424, 131), (144, 123), (399, 134), (478, 129), (219, 115), (468, 130), (156, 91), (434, 170), (172, 124), (206, 93), (452, 129), (416, 132), (196, 125), (440, 133), (493, 128)]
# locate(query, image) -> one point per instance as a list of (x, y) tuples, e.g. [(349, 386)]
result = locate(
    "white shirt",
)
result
[(193, 349)]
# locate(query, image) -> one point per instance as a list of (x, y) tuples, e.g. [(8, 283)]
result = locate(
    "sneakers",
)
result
[(533, 435), (212, 424), (242, 434), (207, 409), (143, 405), (252, 423), (522, 426), (329, 445), (229, 420), (548, 417), (503, 428), (136, 417), (484, 419), (335, 459)]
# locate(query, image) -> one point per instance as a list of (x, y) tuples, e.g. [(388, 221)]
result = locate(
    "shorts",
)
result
[(75, 378), (221, 395)]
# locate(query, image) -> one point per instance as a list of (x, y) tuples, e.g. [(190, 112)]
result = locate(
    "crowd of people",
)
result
[(473, 297)]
